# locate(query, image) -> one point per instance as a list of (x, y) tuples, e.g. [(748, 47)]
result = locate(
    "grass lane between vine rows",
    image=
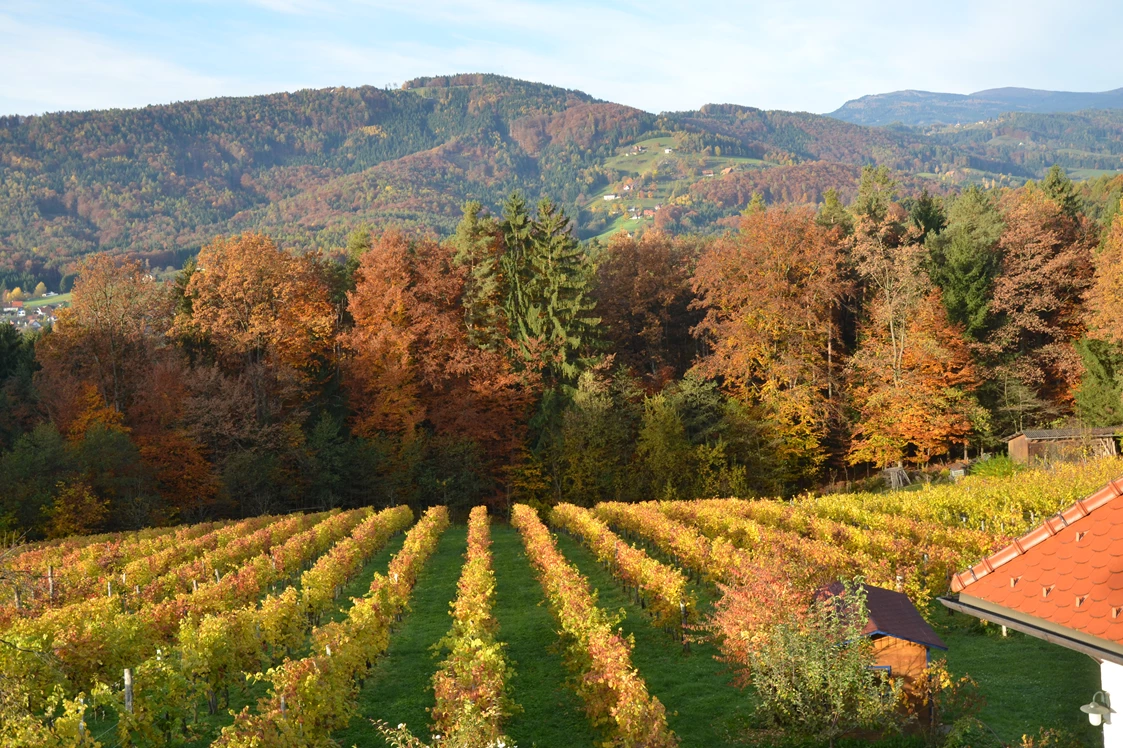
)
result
[(399, 688), (550, 712), (703, 707)]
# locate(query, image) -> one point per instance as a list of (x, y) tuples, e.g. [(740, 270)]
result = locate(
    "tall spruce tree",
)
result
[(1059, 187), (546, 282), (963, 260), (927, 214), (479, 248), (561, 310)]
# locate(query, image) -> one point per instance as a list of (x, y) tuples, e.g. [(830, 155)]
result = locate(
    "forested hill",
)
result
[(309, 167), (928, 107)]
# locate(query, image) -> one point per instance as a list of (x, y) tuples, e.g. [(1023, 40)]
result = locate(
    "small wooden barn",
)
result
[(1062, 444), (902, 639)]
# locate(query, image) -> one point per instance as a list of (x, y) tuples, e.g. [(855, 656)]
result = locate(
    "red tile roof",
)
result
[(1068, 571)]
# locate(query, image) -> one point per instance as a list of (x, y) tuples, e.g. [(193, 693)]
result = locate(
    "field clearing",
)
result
[(1027, 684), (63, 298)]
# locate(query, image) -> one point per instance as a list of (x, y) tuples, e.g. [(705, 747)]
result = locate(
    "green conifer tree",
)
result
[(963, 259)]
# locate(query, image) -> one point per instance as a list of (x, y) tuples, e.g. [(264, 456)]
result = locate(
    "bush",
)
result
[(969, 732), (997, 467)]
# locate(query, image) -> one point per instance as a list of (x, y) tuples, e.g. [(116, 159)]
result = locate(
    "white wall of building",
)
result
[(1111, 681)]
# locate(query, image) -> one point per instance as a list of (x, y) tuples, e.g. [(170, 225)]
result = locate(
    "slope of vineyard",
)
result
[(249, 638)]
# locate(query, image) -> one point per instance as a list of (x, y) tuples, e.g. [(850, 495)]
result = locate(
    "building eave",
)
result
[(1036, 627)]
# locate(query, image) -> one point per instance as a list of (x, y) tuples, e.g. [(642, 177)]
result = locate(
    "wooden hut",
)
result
[(902, 639), (1062, 444)]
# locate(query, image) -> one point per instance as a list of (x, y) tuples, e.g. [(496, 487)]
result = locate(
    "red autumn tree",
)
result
[(1046, 269), (644, 297), (411, 359)]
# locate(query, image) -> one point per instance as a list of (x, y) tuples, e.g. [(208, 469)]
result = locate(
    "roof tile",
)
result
[(1070, 568)]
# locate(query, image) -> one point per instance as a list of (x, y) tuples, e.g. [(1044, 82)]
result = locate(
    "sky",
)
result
[(655, 55)]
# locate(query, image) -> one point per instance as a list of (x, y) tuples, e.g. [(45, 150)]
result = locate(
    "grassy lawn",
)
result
[(399, 687), (1027, 683), (51, 300)]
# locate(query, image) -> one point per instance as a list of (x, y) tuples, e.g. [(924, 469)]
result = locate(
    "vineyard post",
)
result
[(685, 642), (109, 588), (18, 602), (194, 585), (216, 577), (51, 582), (129, 690)]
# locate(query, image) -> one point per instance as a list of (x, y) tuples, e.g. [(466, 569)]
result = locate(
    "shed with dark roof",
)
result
[(902, 639), (1062, 444)]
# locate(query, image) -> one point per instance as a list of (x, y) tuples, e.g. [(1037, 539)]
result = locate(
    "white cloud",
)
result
[(48, 68), (655, 55)]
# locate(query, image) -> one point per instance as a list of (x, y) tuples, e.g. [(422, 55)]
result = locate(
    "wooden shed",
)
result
[(902, 639), (1062, 444)]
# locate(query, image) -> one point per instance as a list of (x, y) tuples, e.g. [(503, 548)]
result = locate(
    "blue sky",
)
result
[(813, 56)]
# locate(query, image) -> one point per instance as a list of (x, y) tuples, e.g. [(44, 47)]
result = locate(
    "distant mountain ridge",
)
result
[(309, 167), (927, 107)]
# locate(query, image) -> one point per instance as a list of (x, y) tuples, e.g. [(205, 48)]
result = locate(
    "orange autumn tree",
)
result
[(255, 302), (912, 386), (771, 294), (1105, 298), (1038, 294), (266, 319), (108, 339), (412, 362)]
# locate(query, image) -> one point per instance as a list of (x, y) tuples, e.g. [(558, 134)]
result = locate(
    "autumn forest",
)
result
[(510, 362)]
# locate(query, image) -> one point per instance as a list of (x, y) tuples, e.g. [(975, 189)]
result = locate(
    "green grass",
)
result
[(47, 300), (551, 712), (399, 687), (1027, 683), (703, 707)]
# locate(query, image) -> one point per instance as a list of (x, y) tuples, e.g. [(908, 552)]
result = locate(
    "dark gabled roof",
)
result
[(1036, 434), (892, 614)]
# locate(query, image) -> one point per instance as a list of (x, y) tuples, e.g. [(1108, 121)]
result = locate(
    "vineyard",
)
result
[(618, 624)]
